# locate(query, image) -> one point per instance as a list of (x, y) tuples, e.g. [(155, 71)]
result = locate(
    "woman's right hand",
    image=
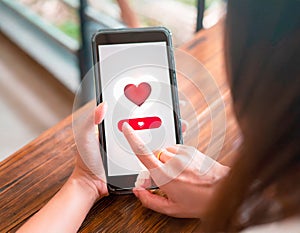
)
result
[(186, 176)]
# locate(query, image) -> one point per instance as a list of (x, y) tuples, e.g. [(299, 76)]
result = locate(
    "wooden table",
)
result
[(32, 175)]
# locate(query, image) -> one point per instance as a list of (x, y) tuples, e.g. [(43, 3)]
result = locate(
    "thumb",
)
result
[(154, 202), (100, 112)]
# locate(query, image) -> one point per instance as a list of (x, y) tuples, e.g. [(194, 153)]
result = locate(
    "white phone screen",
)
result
[(135, 83)]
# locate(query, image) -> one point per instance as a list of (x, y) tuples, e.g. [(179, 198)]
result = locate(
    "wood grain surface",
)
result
[(31, 176)]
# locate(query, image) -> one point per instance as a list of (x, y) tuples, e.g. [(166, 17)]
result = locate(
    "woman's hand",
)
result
[(66, 211), (89, 166), (186, 176)]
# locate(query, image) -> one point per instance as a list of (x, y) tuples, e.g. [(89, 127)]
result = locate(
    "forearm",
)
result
[(128, 15), (66, 210)]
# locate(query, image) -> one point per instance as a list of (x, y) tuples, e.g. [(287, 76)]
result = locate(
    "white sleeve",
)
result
[(290, 225)]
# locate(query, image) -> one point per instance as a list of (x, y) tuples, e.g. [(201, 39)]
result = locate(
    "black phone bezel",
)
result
[(123, 36)]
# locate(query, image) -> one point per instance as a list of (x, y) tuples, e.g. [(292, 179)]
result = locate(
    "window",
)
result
[(53, 27)]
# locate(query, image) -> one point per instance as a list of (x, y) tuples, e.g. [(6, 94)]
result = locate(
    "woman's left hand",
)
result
[(89, 166), (66, 211)]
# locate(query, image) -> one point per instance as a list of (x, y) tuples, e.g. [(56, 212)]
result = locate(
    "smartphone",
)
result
[(135, 74)]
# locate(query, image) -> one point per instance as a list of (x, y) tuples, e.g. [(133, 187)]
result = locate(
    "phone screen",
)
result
[(136, 84)]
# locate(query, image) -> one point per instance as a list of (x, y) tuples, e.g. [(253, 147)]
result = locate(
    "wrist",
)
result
[(85, 185)]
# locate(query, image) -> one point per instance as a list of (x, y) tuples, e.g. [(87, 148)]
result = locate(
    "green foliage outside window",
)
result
[(70, 28)]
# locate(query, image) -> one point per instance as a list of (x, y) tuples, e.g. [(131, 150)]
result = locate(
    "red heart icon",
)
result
[(137, 94)]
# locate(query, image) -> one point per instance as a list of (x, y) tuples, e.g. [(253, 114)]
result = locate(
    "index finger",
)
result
[(139, 148)]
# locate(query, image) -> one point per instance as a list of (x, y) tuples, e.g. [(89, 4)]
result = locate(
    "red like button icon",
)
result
[(141, 123)]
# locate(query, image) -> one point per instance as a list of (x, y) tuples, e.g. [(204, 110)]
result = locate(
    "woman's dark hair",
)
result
[(262, 48)]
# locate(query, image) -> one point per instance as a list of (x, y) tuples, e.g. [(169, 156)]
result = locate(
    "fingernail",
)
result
[(126, 126), (136, 193)]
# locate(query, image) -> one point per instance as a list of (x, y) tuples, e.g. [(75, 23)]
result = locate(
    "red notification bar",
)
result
[(141, 123)]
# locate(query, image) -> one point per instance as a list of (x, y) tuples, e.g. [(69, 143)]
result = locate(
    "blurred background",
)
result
[(45, 51)]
